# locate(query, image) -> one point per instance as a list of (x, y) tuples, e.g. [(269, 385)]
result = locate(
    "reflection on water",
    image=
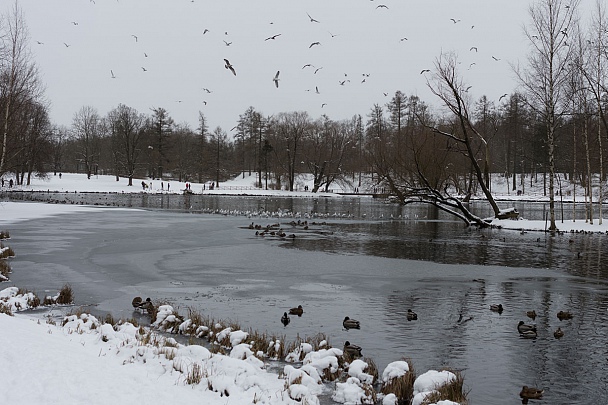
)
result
[(361, 258)]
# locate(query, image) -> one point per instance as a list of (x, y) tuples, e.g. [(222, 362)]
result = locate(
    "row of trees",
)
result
[(553, 126)]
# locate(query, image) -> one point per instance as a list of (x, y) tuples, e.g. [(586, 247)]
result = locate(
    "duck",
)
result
[(136, 302), (496, 308), (522, 327), (531, 314), (350, 323), (285, 319), (531, 393), (297, 311), (411, 315), (147, 305), (352, 350), (528, 334), (561, 315), (559, 333)]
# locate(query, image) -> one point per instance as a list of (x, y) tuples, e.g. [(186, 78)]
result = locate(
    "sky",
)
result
[(182, 45)]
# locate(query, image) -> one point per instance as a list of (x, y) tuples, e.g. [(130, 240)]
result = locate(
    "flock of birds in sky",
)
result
[(233, 63)]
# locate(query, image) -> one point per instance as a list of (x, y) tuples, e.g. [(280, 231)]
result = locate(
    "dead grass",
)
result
[(66, 295), (4, 235), (5, 268), (8, 252), (453, 391), (402, 387), (372, 368), (5, 309)]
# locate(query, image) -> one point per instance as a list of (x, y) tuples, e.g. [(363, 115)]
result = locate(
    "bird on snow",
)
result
[(229, 66)]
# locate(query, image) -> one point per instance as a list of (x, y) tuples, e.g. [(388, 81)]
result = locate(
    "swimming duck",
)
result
[(411, 315), (285, 319), (530, 393), (352, 350), (561, 315), (136, 302), (559, 333), (528, 334), (531, 314), (522, 327), (496, 308), (147, 305), (350, 323), (297, 311)]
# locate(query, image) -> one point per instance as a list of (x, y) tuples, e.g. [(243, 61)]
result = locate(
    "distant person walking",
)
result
[(162, 185), (10, 183), (168, 186), (60, 175)]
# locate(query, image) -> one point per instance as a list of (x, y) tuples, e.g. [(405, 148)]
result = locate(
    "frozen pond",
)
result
[(358, 263)]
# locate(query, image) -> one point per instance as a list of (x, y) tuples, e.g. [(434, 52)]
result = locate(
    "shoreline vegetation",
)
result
[(312, 367)]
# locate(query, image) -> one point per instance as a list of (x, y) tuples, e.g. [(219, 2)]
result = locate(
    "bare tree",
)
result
[(545, 79), (126, 128), (19, 81), (86, 127)]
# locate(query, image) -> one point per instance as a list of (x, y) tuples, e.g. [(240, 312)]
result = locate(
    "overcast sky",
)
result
[(357, 38)]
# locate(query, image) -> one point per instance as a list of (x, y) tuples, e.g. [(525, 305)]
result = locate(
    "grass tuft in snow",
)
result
[(6, 252), (4, 235), (66, 295), (452, 391), (5, 270), (402, 387), (5, 309), (371, 369)]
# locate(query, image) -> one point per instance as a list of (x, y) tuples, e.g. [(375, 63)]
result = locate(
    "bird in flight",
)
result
[(381, 6), (403, 39), (144, 69), (495, 58), (425, 70), (74, 22), (112, 73), (332, 35), (317, 69), (307, 65), (134, 36), (473, 48), (454, 20), (342, 82), (207, 90), (385, 94), (317, 90), (272, 37), (503, 96), (229, 66), (323, 105), (472, 64), (313, 44), (276, 79), (206, 31), (66, 45), (40, 43), (228, 43), (145, 54), (311, 19)]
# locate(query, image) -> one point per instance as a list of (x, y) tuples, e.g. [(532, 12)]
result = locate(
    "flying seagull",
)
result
[(495, 58), (74, 22), (206, 31), (66, 45), (229, 66), (144, 69), (112, 73), (454, 20), (382, 6), (40, 43), (503, 96), (473, 47), (323, 105), (227, 43), (317, 69), (134, 36), (317, 90), (313, 44), (403, 39), (425, 70), (272, 37), (311, 19), (332, 35), (276, 79), (307, 65), (145, 54), (207, 90)]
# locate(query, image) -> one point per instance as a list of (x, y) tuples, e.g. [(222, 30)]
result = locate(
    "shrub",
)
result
[(66, 295), (402, 387)]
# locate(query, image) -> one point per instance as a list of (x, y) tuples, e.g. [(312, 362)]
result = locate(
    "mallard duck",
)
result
[(350, 323), (522, 327), (147, 305), (411, 315), (559, 333), (531, 314), (496, 308), (297, 311), (352, 350), (528, 334), (136, 302), (561, 315), (285, 319), (530, 393)]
